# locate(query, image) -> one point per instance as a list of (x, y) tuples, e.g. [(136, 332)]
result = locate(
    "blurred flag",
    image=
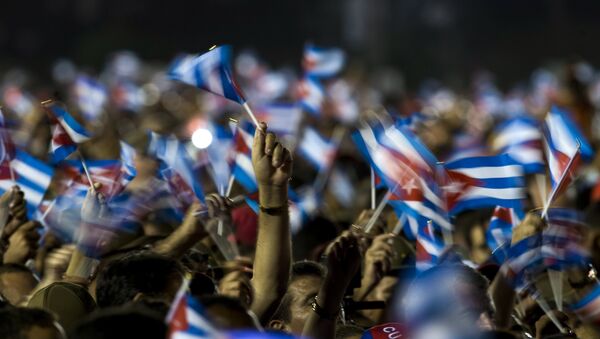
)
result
[(176, 167), (484, 182), (412, 121), (106, 172), (210, 71), (18, 101), (413, 191), (521, 138), (126, 95), (322, 62), (345, 106), (128, 170), (303, 205), (430, 246), (220, 153), (33, 177), (186, 319), (311, 95), (66, 132), (242, 166), (91, 97), (465, 145), (7, 150), (499, 232), (282, 119), (316, 149), (565, 147), (563, 243), (587, 308), (341, 187)]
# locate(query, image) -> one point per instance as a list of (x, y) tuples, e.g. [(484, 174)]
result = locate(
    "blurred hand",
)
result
[(23, 243), (531, 225), (363, 219), (94, 205), (219, 207), (56, 263), (343, 260), (236, 284), (17, 212), (271, 161), (378, 261)]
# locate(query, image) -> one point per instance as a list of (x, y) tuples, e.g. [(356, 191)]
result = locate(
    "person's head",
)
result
[(449, 297), (138, 275), (227, 313), (16, 282), (295, 306), (29, 323), (120, 323)]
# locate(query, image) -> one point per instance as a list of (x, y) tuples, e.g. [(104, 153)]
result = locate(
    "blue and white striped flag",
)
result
[(323, 62)]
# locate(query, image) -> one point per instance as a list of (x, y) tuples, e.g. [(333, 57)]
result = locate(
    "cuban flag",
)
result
[(344, 103), (91, 97), (17, 100), (282, 119), (430, 247), (210, 71), (106, 172), (176, 167), (66, 132), (322, 62), (524, 260), (587, 308), (7, 150), (33, 177), (484, 182), (128, 170), (242, 168), (521, 138), (565, 148), (499, 232), (316, 149), (303, 205), (126, 95), (563, 239), (311, 95), (187, 319), (409, 180), (220, 154)]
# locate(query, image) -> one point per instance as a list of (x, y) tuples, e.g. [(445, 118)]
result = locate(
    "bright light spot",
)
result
[(202, 138)]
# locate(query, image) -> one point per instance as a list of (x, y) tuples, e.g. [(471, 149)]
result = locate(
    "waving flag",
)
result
[(311, 95), (344, 103), (282, 119), (521, 138), (106, 172), (127, 95), (587, 308), (66, 132), (210, 71), (323, 62), (430, 246), (563, 239), (242, 167), (33, 177), (17, 100), (128, 170), (7, 150), (484, 182), (176, 167), (524, 260), (91, 97), (499, 233), (565, 147), (316, 149), (302, 207), (186, 319), (410, 181)]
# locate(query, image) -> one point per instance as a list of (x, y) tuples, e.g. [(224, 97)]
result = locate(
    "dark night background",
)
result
[(423, 38)]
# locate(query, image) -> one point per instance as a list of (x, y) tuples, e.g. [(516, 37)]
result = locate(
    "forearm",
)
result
[(273, 253), (503, 297), (178, 242), (329, 300)]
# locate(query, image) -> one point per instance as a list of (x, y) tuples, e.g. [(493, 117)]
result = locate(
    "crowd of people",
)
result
[(128, 248)]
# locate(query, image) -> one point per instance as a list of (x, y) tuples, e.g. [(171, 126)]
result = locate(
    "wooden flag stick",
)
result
[(229, 185), (252, 116), (87, 172), (378, 211), (373, 189)]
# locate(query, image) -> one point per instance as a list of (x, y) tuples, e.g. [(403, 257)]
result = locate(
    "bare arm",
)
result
[(272, 165)]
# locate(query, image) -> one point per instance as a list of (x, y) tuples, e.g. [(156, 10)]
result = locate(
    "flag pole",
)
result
[(12, 173), (373, 190), (252, 116), (87, 172), (229, 185), (562, 178), (378, 211)]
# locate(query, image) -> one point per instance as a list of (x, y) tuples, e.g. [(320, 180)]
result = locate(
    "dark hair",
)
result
[(307, 267), (16, 321), (299, 269), (121, 322), (146, 273), (347, 331)]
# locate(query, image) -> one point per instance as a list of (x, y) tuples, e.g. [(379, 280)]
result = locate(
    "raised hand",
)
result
[(343, 260), (23, 243), (94, 205), (271, 161), (378, 262)]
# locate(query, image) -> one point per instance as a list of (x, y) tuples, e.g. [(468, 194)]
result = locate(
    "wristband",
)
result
[(275, 210), (321, 312)]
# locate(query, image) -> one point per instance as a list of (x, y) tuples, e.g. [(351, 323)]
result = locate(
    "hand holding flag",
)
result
[(271, 161)]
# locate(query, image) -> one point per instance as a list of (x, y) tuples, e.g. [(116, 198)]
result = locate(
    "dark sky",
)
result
[(424, 38)]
